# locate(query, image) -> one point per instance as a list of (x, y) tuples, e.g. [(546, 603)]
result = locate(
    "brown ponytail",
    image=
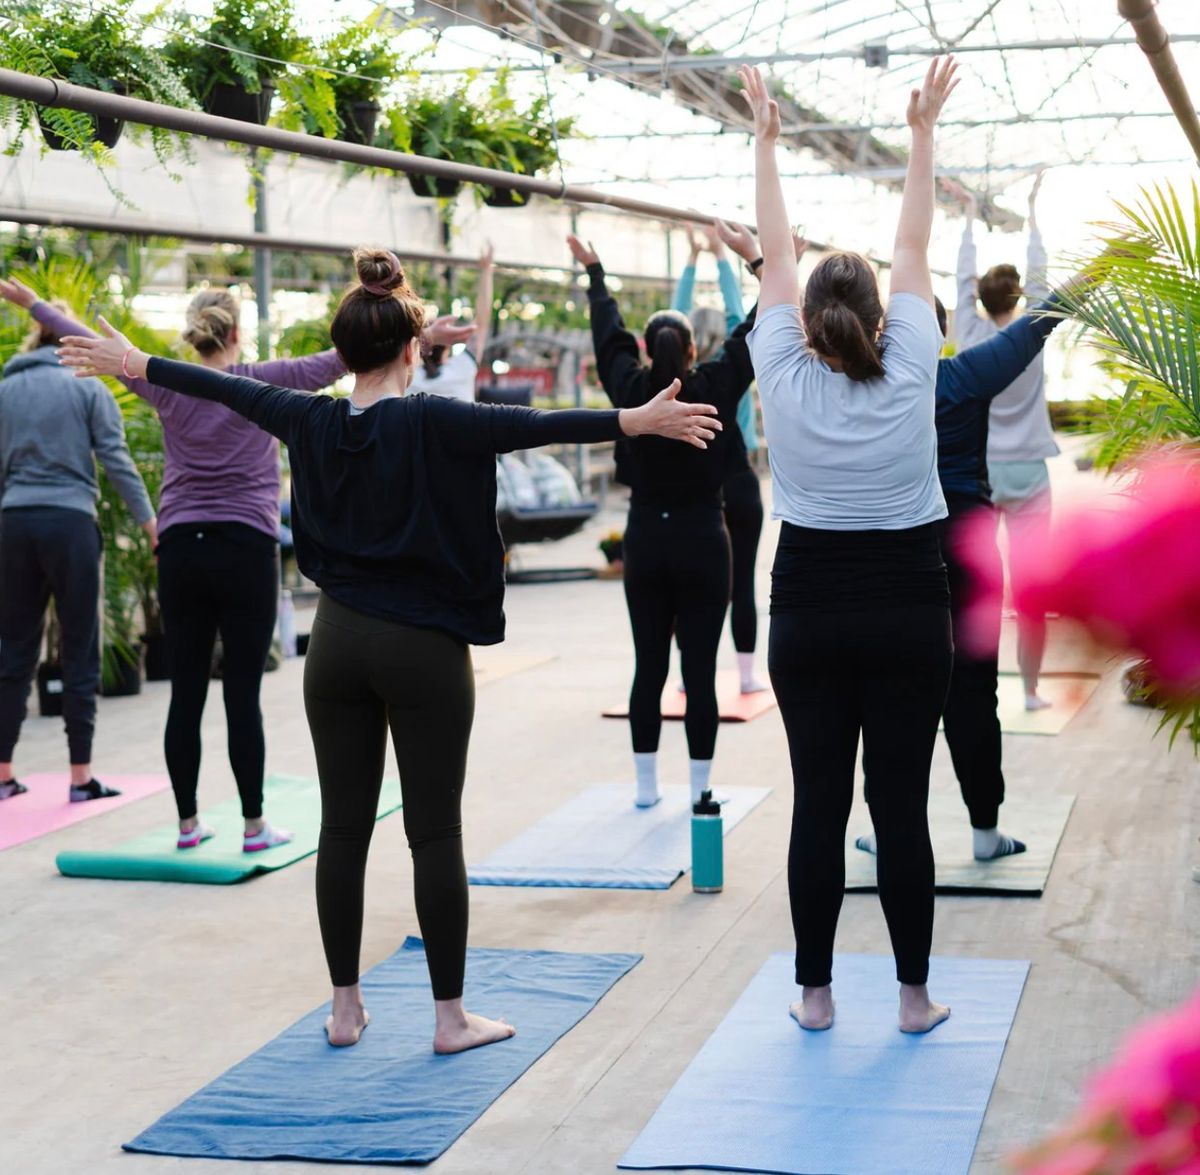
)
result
[(668, 343), (380, 316), (843, 314)]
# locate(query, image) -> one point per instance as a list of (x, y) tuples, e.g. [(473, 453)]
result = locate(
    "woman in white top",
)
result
[(860, 622), (1020, 435), (450, 373)]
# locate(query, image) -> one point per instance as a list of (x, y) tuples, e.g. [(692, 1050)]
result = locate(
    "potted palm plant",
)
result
[(233, 62), (95, 46), (50, 671)]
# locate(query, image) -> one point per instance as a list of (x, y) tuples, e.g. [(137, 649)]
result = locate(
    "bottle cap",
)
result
[(706, 805)]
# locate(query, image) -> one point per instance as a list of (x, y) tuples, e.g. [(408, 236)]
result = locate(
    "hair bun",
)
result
[(379, 270)]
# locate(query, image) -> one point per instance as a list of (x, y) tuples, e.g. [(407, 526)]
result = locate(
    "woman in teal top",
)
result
[(742, 496)]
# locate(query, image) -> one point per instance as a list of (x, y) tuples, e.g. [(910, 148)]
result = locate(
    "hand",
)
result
[(584, 254), (665, 416), (151, 529), (111, 354), (799, 243), (487, 255), (739, 239), (715, 245), (695, 245), (925, 105), (764, 108), (13, 291), (445, 332)]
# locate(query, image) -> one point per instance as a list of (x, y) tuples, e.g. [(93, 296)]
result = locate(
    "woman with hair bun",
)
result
[(395, 520), (860, 623), (676, 548), (218, 551)]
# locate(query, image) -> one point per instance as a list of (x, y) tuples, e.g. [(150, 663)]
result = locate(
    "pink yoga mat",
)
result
[(45, 808)]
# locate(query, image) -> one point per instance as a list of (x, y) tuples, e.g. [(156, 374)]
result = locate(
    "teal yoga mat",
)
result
[(292, 802)]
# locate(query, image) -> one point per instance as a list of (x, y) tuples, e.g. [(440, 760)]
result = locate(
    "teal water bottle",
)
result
[(708, 845)]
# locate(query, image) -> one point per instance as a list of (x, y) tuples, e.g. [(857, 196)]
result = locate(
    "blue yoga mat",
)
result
[(389, 1099), (600, 840), (861, 1099)]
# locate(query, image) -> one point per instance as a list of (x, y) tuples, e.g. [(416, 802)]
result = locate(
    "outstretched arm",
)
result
[(275, 410), (910, 256), (483, 301), (780, 284)]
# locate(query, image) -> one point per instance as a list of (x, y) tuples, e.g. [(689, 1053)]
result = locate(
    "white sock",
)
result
[(698, 772), (646, 765), (750, 683)]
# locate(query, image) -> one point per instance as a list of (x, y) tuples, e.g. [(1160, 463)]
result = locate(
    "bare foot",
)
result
[(918, 1013), (470, 1033), (814, 1011), (1035, 701), (344, 1028)]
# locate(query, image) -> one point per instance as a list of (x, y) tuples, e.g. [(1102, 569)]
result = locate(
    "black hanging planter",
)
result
[(104, 129), (156, 657), (228, 101), (505, 198), (434, 187), (50, 690), (127, 676), (358, 122)]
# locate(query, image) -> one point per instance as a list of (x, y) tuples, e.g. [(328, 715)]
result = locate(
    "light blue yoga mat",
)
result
[(763, 1095), (600, 840), (389, 1099)]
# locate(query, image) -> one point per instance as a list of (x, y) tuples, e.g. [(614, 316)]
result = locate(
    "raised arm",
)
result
[(61, 324), (910, 255), (780, 283), (483, 301), (275, 410), (500, 428), (618, 359), (685, 288), (1037, 286)]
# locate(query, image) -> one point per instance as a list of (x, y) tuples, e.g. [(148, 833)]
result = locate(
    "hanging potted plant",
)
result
[(233, 63), (523, 141), (448, 126), (362, 60), (96, 47)]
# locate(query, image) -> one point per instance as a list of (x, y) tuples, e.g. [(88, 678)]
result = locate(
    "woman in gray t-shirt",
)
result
[(860, 623)]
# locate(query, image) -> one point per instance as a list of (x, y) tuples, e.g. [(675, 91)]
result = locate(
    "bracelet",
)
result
[(755, 266), (125, 363)]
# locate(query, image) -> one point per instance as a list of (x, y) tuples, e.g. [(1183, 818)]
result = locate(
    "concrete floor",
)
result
[(124, 998)]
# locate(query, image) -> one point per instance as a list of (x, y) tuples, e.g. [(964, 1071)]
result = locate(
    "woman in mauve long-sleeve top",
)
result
[(395, 520), (217, 552)]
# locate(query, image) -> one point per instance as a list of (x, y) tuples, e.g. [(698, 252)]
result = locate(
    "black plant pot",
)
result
[(104, 130), (156, 657), (434, 187), (50, 690), (504, 198), (127, 679), (228, 101), (358, 122)]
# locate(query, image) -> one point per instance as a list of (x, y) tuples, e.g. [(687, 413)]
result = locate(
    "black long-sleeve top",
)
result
[(656, 470), (394, 508)]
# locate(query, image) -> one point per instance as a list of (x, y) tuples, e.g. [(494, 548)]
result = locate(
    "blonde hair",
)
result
[(40, 335), (212, 317)]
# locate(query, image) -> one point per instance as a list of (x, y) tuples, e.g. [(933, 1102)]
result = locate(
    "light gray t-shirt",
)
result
[(846, 454)]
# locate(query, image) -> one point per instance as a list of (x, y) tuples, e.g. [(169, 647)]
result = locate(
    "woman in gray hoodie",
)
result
[(53, 427)]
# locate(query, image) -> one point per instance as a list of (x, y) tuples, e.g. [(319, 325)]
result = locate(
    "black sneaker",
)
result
[(12, 788), (92, 790)]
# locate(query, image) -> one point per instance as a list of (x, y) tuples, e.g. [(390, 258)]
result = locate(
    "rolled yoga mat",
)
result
[(289, 801), (45, 807), (763, 1095), (600, 840), (389, 1099), (732, 704), (1037, 818)]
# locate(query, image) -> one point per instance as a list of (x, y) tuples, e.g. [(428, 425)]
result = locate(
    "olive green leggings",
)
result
[(362, 676)]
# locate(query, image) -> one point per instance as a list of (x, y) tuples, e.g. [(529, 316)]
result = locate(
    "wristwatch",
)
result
[(754, 266)]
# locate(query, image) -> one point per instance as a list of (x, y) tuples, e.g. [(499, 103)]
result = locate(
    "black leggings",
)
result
[(744, 521), (362, 676), (676, 582), (971, 726), (217, 577), (48, 551), (880, 669)]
